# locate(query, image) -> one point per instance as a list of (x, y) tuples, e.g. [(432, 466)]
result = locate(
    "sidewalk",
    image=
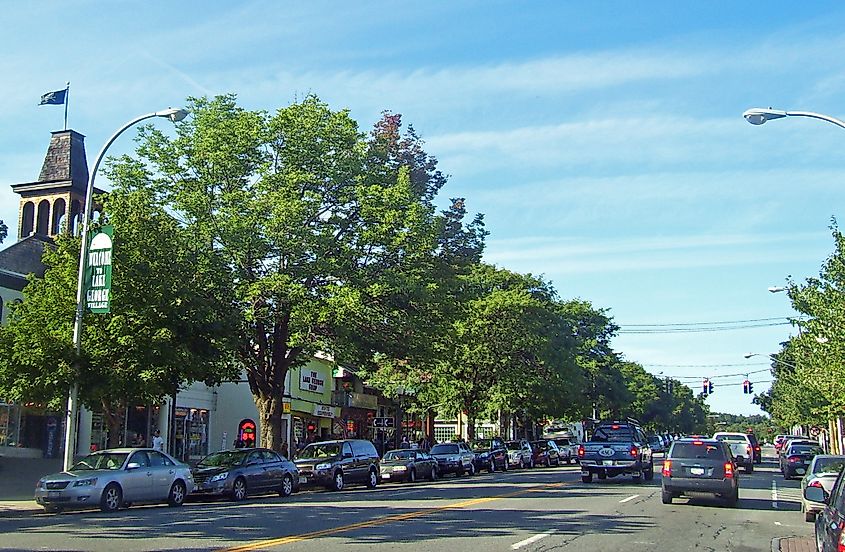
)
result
[(793, 544), (19, 476)]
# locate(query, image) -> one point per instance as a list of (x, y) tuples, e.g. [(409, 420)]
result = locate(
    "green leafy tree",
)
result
[(3, 231), (168, 326)]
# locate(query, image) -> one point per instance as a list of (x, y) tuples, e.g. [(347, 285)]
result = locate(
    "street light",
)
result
[(175, 115), (776, 289), (758, 116), (773, 357)]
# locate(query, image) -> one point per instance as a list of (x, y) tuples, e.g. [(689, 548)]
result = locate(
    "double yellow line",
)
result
[(258, 545)]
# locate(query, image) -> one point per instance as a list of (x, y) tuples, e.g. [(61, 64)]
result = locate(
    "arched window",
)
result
[(59, 218), (28, 221), (42, 225), (75, 217)]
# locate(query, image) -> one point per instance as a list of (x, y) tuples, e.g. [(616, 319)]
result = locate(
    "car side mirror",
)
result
[(816, 494), (133, 466)]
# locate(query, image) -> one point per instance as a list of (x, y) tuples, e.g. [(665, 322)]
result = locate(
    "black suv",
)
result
[(700, 465), (490, 454), (616, 448), (757, 452), (333, 464)]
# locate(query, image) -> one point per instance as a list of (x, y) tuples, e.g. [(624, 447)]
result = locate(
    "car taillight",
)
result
[(757, 447), (793, 459), (841, 546), (667, 468), (634, 451), (580, 450), (815, 483), (729, 470)]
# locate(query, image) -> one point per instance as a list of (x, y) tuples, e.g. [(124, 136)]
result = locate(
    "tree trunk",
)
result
[(270, 413), (470, 427)]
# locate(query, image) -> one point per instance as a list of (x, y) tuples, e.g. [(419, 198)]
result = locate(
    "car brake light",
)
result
[(698, 442), (580, 450), (841, 546), (793, 459), (614, 427), (757, 447), (729, 470), (667, 468), (815, 483), (634, 451)]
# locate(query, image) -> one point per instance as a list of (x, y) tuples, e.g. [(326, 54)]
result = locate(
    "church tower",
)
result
[(55, 202)]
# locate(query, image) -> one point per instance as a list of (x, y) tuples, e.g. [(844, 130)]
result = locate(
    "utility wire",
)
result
[(700, 329), (707, 323)]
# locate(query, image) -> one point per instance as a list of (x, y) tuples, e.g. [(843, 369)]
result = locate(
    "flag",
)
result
[(54, 98)]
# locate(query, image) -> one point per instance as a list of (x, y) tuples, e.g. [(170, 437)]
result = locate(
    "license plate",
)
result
[(54, 494), (385, 476), (303, 480), (585, 473), (608, 462), (697, 471)]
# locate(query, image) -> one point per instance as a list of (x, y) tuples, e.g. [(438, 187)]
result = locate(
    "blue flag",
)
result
[(54, 98)]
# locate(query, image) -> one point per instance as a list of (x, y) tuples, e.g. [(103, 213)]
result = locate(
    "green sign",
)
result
[(98, 271)]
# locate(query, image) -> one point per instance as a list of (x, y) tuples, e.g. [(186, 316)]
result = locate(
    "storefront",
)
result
[(190, 434), (312, 414), (29, 431)]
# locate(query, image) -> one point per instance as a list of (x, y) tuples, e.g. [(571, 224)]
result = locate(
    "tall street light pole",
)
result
[(174, 115), (758, 116), (773, 357)]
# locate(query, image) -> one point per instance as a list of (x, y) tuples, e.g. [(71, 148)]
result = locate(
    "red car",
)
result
[(780, 440)]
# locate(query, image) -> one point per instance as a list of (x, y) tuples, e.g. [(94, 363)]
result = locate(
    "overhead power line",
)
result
[(706, 323)]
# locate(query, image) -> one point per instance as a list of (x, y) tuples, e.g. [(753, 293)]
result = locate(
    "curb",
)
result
[(22, 511)]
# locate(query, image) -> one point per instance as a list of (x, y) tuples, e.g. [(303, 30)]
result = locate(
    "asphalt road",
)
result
[(530, 510)]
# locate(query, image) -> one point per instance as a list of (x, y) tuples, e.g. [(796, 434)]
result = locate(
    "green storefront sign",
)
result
[(98, 271)]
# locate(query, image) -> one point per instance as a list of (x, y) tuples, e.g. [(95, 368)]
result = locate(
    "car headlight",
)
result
[(85, 482), (321, 467), (40, 484), (454, 458), (219, 477), (400, 468)]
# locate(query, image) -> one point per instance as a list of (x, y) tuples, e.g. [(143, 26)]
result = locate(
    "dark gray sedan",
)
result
[(240, 472), (408, 465)]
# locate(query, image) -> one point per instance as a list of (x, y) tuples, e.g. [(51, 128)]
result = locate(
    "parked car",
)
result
[(830, 520), (520, 454), (407, 465), (334, 464), (490, 454), (568, 449), (822, 472), (705, 465), (117, 478), (796, 459), (454, 458), (241, 472), (741, 448), (545, 453), (755, 448), (656, 443)]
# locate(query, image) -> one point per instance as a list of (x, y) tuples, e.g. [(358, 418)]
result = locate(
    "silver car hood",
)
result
[(81, 474)]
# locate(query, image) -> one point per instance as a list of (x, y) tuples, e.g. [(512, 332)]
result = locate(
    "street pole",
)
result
[(758, 116), (73, 397)]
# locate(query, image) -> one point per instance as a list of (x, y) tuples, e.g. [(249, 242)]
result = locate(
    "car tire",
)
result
[(649, 473), (372, 479), (637, 478), (521, 464), (176, 497), (531, 463), (337, 481), (587, 478), (666, 497), (732, 499), (286, 488), (412, 476), (433, 475), (810, 517), (112, 498), (492, 467), (749, 468), (239, 490), (471, 470), (53, 509), (602, 475)]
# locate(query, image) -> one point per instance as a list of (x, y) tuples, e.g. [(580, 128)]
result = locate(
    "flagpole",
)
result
[(67, 101)]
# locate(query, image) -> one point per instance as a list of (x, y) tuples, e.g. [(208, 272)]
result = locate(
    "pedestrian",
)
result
[(405, 444), (158, 442), (140, 441)]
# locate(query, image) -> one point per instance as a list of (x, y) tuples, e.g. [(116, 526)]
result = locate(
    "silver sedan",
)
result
[(111, 479)]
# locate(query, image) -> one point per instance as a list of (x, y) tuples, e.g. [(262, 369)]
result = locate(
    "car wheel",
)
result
[(649, 473), (471, 470), (587, 478), (53, 509), (665, 497), (809, 517), (337, 481), (732, 499), (372, 481), (521, 463), (112, 498), (492, 467), (239, 491), (177, 494), (749, 468), (531, 463), (433, 475), (412, 476), (602, 475), (637, 478), (287, 486)]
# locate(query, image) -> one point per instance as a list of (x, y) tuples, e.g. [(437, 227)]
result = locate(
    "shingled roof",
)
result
[(23, 258)]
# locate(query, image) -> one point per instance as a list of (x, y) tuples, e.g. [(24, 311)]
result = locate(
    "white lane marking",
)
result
[(529, 540), (624, 500), (778, 523), (774, 494)]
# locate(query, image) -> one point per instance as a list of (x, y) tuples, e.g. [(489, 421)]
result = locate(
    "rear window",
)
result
[(829, 465), (710, 451), (444, 449), (732, 438), (804, 449), (613, 433)]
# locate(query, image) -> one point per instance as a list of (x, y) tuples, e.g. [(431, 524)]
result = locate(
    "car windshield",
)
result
[(612, 433), (320, 450), (101, 461), (481, 444), (829, 465), (804, 449), (399, 455), (223, 459), (444, 449), (699, 451)]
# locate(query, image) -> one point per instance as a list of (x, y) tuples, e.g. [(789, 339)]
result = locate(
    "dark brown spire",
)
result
[(65, 160)]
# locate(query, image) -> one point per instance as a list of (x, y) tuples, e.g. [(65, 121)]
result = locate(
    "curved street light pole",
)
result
[(174, 115), (773, 357), (758, 116)]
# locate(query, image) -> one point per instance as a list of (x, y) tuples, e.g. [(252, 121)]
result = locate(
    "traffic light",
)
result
[(709, 386), (750, 388), (745, 386), (706, 387)]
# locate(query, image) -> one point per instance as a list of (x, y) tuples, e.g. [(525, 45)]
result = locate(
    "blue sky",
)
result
[(603, 141)]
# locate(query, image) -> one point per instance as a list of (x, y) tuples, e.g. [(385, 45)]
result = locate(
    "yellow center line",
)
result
[(257, 545)]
